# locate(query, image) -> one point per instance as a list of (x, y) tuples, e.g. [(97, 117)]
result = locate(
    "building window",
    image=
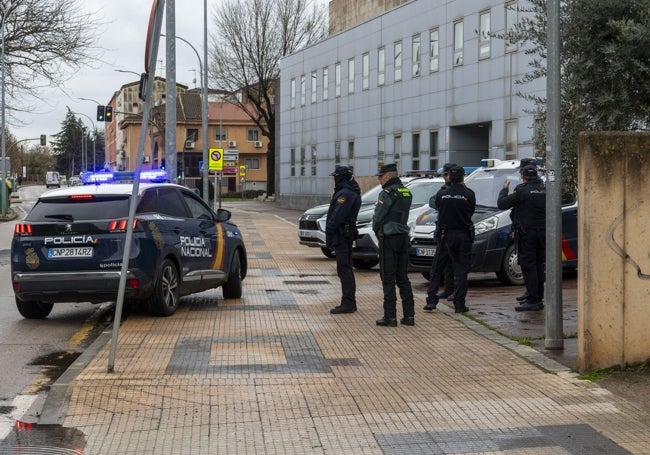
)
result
[(221, 134), (313, 86), (302, 161), (511, 22), (337, 80), (350, 153), (415, 48), (511, 140), (313, 161), (433, 150), (381, 66), (397, 60), (337, 152), (484, 35), (253, 135), (458, 43), (254, 163), (397, 150), (365, 71), (326, 83), (303, 90), (381, 151), (293, 161), (292, 91), (415, 151), (434, 50), (351, 75), (192, 134)]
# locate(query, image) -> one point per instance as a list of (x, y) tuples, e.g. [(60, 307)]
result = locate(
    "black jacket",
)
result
[(455, 205), (528, 203), (342, 213)]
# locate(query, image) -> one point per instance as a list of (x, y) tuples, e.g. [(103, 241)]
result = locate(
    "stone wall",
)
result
[(613, 249)]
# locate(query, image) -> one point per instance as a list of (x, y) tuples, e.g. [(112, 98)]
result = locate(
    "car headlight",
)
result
[(486, 225), (322, 223)]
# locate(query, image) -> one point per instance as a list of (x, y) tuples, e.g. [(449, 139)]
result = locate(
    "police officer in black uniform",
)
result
[(389, 224), (340, 232), (455, 232), (528, 203), (448, 293)]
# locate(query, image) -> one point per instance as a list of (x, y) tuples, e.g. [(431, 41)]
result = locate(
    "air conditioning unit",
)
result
[(258, 144), (232, 143), (189, 144)]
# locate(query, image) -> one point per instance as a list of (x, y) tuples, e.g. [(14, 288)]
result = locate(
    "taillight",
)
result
[(120, 225), (23, 229)]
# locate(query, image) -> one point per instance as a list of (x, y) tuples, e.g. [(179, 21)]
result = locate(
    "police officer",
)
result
[(528, 203), (340, 232), (389, 224), (455, 233), (448, 293)]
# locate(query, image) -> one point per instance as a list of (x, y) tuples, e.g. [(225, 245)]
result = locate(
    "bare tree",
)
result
[(250, 38), (45, 43)]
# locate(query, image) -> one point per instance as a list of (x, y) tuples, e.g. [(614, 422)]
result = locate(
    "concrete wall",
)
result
[(344, 14), (613, 250)]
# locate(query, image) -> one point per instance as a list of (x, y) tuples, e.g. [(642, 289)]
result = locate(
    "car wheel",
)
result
[(328, 252), (364, 264), (232, 288), (164, 301), (34, 310), (510, 272)]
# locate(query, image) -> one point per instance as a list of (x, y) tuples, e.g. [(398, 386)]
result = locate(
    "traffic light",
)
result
[(100, 113), (43, 140), (108, 114)]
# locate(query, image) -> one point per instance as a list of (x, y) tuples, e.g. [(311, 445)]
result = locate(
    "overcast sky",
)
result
[(123, 40)]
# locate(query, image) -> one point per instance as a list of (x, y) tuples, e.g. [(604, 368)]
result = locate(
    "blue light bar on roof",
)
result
[(97, 178)]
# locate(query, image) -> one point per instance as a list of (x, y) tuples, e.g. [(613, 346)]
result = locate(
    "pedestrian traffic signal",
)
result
[(101, 110), (108, 114)]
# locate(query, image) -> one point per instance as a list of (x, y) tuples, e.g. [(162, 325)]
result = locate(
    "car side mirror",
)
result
[(223, 215)]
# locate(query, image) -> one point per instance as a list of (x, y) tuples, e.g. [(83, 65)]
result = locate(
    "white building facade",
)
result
[(420, 85)]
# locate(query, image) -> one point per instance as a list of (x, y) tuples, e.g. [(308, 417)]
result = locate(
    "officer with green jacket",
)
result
[(389, 224)]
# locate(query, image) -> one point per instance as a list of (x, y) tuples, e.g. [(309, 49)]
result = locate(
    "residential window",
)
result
[(415, 151), (350, 153), (415, 48), (292, 91), (254, 163), (484, 35), (458, 43), (253, 135), (221, 134), (434, 50), (381, 151), (326, 82), (397, 60), (511, 22), (337, 80), (397, 150), (313, 161), (433, 150), (192, 134), (381, 66), (302, 161), (293, 161), (337, 152), (303, 90), (511, 140), (365, 71), (351, 75), (313, 86)]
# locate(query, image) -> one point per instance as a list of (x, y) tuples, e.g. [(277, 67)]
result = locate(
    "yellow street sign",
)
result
[(242, 171), (215, 159)]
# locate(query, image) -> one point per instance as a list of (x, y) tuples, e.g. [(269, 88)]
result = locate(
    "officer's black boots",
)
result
[(342, 309), (530, 305), (407, 321), (387, 322)]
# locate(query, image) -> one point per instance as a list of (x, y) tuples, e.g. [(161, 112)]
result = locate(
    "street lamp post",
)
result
[(4, 131)]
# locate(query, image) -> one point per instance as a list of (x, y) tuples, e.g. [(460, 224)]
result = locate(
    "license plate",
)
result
[(70, 252), (425, 251)]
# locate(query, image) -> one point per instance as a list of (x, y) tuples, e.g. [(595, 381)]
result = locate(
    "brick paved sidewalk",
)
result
[(275, 373)]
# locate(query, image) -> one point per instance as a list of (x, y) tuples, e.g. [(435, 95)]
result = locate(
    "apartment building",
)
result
[(421, 84)]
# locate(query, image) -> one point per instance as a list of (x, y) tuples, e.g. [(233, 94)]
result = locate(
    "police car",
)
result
[(69, 248), (493, 249)]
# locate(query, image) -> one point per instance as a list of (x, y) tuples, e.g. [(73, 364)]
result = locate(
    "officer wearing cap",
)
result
[(448, 293), (389, 224), (455, 232), (340, 232), (528, 203)]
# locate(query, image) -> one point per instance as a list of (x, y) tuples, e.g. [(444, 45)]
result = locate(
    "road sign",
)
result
[(242, 171), (216, 159)]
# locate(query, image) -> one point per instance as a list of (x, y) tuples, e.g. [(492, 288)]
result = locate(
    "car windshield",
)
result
[(487, 183), (422, 191), (371, 196)]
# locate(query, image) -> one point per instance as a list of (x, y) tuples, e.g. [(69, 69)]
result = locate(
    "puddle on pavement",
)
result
[(53, 365), (32, 438)]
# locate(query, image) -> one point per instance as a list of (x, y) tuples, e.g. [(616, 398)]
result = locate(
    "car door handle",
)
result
[(177, 230)]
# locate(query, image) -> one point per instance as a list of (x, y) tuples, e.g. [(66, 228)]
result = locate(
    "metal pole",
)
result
[(553, 286), (170, 92), (204, 76), (4, 130)]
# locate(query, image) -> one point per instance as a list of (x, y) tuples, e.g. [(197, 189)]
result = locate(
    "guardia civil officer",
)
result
[(448, 293), (528, 203), (455, 232), (340, 232), (389, 224)]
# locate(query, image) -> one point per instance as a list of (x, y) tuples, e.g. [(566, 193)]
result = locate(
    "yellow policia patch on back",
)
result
[(340, 200), (220, 250)]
